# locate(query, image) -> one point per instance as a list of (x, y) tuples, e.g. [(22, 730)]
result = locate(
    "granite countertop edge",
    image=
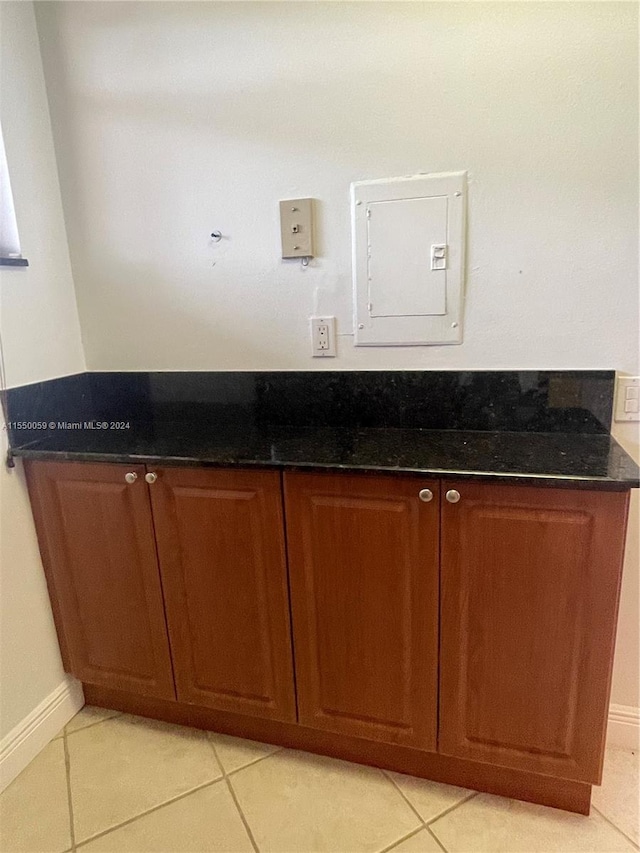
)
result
[(550, 480)]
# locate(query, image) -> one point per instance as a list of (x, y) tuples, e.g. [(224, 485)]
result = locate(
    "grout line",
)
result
[(91, 725), (436, 839), (215, 755), (617, 828), (234, 797), (400, 840), (404, 797), (251, 763), (67, 770), (425, 824), (149, 811), (451, 808), (241, 813)]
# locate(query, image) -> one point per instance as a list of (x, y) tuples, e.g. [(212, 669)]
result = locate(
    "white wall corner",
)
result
[(623, 729), (21, 745)]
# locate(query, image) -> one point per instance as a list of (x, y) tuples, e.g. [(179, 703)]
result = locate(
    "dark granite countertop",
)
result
[(570, 460), (536, 427)]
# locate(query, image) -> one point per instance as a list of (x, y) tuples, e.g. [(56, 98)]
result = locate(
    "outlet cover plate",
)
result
[(323, 337)]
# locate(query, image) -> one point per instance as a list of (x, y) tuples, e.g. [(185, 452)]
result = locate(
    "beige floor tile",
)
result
[(127, 765), (421, 842), (429, 799), (87, 716), (206, 821), (619, 796), (235, 752), (297, 802), (495, 824), (34, 809)]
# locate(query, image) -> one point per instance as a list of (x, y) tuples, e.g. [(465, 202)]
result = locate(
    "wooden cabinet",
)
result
[(220, 541), (98, 549), (363, 562), (470, 642), (530, 582), (219, 537)]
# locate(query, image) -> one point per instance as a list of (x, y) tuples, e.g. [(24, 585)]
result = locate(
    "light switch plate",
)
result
[(296, 228), (627, 406)]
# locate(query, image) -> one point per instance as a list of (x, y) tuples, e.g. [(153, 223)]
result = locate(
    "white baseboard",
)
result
[(32, 734), (624, 726)]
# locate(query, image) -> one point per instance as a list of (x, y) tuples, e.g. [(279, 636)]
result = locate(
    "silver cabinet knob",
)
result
[(131, 477), (425, 495), (453, 496), (150, 477)]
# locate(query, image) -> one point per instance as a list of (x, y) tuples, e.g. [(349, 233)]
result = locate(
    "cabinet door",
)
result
[(530, 582), (363, 565), (220, 537), (98, 549)]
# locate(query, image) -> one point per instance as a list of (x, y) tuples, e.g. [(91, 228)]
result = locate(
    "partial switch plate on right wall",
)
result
[(627, 406)]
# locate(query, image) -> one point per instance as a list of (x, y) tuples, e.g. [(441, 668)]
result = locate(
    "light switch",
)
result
[(627, 406), (439, 257), (296, 228)]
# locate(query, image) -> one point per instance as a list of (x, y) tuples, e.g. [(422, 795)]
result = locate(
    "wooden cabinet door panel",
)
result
[(220, 536), (363, 565), (98, 549), (530, 583)]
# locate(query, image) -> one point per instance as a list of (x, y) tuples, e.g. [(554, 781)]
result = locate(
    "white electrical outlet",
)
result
[(323, 337), (627, 406)]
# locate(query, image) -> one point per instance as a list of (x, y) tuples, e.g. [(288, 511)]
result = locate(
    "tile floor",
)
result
[(112, 783)]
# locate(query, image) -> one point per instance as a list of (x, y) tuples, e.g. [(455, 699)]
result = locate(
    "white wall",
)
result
[(41, 339), (39, 317), (175, 119)]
